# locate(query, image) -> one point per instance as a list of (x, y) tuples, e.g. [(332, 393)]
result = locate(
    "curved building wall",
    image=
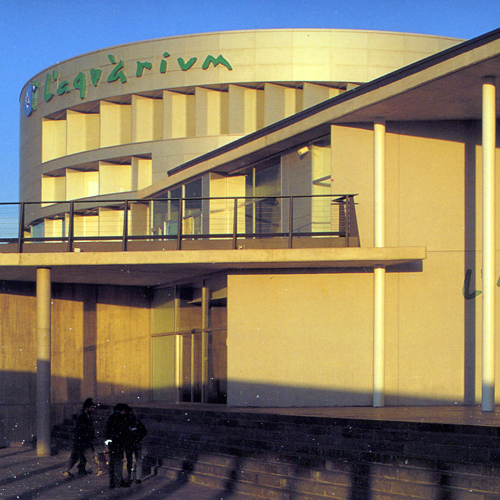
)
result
[(116, 120)]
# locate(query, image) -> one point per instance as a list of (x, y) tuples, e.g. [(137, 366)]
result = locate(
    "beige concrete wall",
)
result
[(67, 343), (433, 198), (94, 331), (278, 350), (300, 339), (17, 364), (123, 344)]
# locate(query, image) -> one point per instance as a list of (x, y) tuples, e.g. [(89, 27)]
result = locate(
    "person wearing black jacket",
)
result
[(115, 434), (83, 447)]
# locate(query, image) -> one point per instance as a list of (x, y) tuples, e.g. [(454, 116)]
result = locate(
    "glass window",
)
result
[(193, 207), (263, 211)]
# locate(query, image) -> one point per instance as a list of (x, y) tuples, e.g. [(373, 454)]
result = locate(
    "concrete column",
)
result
[(205, 325), (379, 271), (488, 313), (43, 399)]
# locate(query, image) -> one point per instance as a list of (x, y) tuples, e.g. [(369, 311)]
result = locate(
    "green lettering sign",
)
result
[(47, 94), (185, 66), (212, 60), (163, 64), (117, 73), (36, 86), (141, 66), (80, 84), (466, 291), (95, 76), (63, 88)]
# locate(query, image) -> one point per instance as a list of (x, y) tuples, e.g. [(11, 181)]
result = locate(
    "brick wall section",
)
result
[(310, 458)]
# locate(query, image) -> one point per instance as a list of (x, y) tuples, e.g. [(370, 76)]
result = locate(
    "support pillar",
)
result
[(488, 312), (205, 325), (379, 271), (43, 387)]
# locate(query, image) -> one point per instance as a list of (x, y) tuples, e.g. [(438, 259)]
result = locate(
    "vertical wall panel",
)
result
[(314, 94), (211, 112), (147, 122), (114, 178), (82, 131), (280, 102), (115, 125), (178, 115), (53, 139)]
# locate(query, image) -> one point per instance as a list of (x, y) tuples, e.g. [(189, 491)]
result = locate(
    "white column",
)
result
[(205, 325), (379, 271), (488, 313), (43, 399)]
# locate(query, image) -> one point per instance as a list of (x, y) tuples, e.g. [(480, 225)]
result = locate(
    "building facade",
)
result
[(259, 218)]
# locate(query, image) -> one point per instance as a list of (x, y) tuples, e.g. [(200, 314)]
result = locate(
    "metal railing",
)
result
[(178, 220)]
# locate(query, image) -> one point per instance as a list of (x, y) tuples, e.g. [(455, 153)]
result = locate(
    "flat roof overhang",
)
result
[(156, 268)]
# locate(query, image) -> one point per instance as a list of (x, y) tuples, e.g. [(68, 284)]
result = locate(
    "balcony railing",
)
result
[(188, 223)]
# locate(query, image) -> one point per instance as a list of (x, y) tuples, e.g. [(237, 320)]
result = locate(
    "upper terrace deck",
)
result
[(162, 241), (180, 224)]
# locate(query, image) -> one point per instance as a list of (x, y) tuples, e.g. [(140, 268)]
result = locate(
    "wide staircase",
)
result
[(285, 457)]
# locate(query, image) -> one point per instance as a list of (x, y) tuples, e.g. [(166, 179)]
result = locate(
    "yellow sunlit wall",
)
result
[(308, 343)]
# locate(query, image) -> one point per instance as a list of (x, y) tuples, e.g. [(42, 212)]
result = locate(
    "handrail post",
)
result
[(70, 225), (235, 224), (125, 227), (20, 238), (347, 219), (290, 223), (179, 226)]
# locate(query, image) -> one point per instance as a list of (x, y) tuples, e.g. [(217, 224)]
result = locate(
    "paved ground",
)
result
[(25, 476)]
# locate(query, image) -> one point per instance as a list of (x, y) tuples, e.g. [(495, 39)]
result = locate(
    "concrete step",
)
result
[(308, 458), (268, 481)]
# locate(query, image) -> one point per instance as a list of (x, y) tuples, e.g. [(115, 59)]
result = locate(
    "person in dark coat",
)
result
[(83, 446), (133, 446), (115, 435)]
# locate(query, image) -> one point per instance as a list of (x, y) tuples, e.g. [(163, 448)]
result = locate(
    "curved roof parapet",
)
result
[(287, 55)]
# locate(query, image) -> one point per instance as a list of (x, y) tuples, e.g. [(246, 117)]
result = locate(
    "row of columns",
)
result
[(488, 247)]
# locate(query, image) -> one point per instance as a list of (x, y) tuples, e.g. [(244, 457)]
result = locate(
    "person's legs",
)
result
[(82, 464), (116, 466), (112, 467), (101, 463), (90, 458), (73, 458), (129, 454), (138, 463), (119, 468)]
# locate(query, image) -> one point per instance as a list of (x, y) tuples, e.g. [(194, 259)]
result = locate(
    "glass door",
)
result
[(189, 357)]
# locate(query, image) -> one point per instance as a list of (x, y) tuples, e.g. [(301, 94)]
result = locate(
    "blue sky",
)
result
[(38, 33)]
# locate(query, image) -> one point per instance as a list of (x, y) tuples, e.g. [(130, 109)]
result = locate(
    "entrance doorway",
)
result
[(189, 332)]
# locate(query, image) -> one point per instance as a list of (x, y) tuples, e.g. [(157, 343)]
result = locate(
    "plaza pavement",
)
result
[(25, 476)]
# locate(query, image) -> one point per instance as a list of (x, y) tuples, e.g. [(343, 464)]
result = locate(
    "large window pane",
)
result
[(263, 214)]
